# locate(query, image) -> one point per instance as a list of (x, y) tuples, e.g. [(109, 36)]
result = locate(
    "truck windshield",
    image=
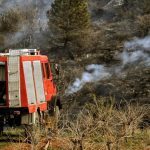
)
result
[(2, 84)]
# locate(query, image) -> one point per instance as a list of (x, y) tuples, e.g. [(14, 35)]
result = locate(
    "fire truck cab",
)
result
[(26, 86)]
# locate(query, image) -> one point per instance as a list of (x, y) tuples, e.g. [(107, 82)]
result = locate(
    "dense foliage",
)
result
[(68, 22)]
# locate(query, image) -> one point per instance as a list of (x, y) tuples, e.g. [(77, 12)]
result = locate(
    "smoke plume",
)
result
[(135, 51), (114, 3), (36, 23), (93, 73), (143, 43)]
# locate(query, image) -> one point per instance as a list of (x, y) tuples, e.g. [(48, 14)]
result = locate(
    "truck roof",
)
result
[(20, 52)]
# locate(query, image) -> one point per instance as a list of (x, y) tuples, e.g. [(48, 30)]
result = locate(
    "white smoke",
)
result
[(137, 50), (93, 73), (143, 42), (32, 26), (113, 4), (140, 51), (129, 58), (41, 5)]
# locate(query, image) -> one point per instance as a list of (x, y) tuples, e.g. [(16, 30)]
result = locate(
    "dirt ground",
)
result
[(55, 143)]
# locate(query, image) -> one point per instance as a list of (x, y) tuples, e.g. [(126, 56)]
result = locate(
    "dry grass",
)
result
[(100, 125), (143, 24), (103, 125)]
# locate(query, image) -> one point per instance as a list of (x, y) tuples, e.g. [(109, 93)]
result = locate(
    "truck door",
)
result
[(49, 87)]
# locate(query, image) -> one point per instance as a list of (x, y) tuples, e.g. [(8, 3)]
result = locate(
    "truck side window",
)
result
[(47, 70), (2, 72), (43, 71), (2, 84)]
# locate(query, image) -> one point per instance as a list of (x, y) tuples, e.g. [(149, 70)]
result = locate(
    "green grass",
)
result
[(14, 131)]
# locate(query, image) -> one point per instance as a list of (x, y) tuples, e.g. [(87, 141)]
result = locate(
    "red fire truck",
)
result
[(26, 86)]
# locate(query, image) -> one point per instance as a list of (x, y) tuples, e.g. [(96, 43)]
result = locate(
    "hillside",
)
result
[(105, 86), (113, 24), (116, 46)]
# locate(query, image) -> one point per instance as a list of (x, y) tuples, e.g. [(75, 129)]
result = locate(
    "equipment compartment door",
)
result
[(38, 79), (14, 81), (29, 81)]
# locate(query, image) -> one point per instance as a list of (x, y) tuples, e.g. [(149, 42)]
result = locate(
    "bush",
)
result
[(9, 21), (144, 25), (104, 125)]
